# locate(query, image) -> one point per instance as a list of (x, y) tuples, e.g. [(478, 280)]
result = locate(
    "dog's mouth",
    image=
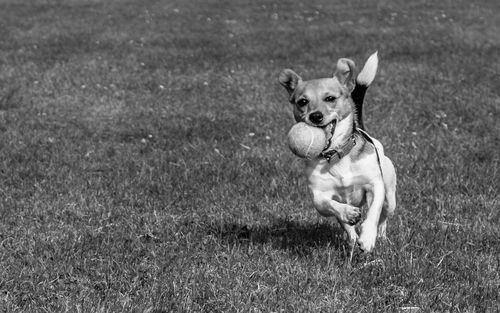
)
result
[(329, 130)]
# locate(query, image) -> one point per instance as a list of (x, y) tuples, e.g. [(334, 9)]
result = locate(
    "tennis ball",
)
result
[(306, 141)]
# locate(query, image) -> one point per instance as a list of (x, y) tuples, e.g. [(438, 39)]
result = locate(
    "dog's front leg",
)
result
[(326, 206), (368, 234)]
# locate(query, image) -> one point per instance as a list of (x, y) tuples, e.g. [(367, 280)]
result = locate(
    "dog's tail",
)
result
[(363, 81)]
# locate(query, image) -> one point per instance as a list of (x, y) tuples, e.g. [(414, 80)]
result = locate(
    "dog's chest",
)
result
[(340, 179)]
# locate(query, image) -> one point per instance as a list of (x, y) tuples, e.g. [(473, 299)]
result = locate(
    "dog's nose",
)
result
[(316, 117)]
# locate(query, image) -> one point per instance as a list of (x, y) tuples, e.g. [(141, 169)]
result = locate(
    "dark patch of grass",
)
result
[(10, 99)]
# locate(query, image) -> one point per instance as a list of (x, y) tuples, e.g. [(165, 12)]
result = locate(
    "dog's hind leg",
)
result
[(387, 211), (352, 236), (390, 197)]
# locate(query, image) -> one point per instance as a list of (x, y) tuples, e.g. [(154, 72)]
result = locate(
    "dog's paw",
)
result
[(366, 244), (366, 240), (352, 215)]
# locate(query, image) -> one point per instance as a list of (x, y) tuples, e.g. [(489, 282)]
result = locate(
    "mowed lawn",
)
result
[(144, 164)]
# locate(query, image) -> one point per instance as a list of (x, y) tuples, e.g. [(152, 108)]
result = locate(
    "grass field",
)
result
[(143, 163)]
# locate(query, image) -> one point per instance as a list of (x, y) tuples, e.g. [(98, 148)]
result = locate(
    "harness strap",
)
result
[(370, 140)]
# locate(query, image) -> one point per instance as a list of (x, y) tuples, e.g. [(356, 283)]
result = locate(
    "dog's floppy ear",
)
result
[(345, 72), (289, 79)]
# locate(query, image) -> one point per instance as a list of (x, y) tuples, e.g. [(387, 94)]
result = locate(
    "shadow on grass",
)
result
[(300, 238)]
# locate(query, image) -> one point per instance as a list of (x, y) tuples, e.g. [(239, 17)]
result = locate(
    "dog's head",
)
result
[(321, 102)]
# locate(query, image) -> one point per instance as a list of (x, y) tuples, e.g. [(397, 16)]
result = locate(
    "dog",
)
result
[(352, 171)]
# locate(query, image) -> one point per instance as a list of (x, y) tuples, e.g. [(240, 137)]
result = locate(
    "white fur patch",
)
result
[(367, 74)]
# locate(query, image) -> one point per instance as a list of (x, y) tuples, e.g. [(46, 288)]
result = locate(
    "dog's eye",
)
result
[(302, 102), (329, 99)]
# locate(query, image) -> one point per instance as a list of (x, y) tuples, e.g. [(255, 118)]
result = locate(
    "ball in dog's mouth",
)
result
[(329, 130)]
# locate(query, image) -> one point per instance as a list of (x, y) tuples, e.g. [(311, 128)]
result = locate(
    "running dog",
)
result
[(352, 171)]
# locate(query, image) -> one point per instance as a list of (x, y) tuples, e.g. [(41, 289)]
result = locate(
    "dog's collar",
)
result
[(333, 156)]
